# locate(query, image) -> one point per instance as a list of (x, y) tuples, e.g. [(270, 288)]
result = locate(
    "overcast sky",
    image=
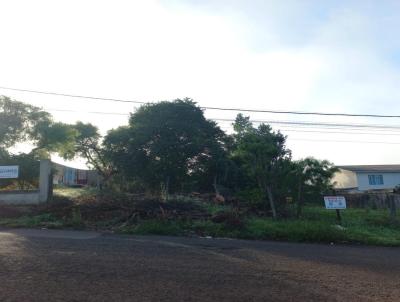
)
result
[(329, 56)]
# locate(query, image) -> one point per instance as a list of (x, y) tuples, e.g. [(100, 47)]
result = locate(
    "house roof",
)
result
[(371, 168), (57, 165)]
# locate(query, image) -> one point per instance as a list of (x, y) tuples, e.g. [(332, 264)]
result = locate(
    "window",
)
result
[(375, 180)]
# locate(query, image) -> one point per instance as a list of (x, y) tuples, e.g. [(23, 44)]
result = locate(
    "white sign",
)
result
[(335, 202), (9, 171)]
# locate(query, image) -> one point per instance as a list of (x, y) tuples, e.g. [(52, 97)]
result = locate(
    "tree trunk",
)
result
[(50, 192), (392, 207), (215, 185), (271, 202), (299, 201), (167, 188)]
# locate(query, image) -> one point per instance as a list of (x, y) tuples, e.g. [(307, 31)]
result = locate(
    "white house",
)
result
[(367, 177)]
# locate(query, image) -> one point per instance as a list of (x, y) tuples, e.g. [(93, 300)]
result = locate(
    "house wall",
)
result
[(390, 180), (70, 176), (58, 176), (81, 177), (64, 175), (345, 179)]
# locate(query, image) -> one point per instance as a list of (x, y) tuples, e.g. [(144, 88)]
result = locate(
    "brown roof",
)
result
[(371, 168)]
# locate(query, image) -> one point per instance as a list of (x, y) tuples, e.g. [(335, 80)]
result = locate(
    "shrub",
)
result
[(252, 198)]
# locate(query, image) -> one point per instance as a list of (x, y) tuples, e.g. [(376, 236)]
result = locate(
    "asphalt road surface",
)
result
[(46, 265)]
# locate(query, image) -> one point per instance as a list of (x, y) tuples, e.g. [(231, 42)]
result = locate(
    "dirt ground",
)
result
[(50, 265)]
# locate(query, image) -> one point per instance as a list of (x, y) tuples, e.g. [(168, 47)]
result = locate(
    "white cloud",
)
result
[(308, 55)]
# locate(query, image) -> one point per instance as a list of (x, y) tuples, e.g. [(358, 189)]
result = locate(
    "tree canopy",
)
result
[(20, 122), (164, 143), (171, 146), (263, 153)]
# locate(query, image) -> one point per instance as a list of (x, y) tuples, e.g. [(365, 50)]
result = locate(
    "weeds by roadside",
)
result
[(187, 218)]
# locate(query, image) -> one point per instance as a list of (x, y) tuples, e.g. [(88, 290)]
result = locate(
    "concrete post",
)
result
[(44, 180)]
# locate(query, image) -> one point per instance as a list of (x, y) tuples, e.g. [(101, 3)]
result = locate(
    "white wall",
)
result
[(19, 197), (390, 180), (31, 197)]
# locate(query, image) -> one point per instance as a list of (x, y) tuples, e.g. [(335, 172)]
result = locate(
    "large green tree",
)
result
[(165, 143), (87, 144), (263, 154), (19, 121)]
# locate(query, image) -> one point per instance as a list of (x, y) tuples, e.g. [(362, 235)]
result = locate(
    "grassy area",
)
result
[(371, 227), (44, 220), (73, 193), (361, 226)]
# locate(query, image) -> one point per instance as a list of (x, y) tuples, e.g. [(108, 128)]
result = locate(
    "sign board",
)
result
[(9, 171), (335, 202)]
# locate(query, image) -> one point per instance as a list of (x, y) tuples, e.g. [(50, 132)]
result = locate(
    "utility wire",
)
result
[(208, 108), (342, 141), (306, 123), (291, 124), (314, 123), (285, 123), (72, 95), (291, 130), (90, 112), (342, 132)]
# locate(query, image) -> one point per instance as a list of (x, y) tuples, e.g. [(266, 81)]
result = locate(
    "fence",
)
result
[(35, 196), (376, 200)]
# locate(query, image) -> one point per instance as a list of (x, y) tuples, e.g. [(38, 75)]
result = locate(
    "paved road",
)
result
[(45, 265)]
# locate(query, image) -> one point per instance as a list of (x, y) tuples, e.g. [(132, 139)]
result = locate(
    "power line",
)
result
[(372, 127), (291, 124), (309, 123), (305, 123), (350, 128), (342, 132), (343, 141), (330, 132), (287, 130), (209, 108), (72, 95), (302, 112), (90, 112)]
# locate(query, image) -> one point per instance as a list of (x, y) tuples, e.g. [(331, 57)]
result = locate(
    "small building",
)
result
[(63, 175), (360, 178)]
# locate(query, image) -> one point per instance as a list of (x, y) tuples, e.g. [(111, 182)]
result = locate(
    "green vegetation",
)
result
[(359, 226), (168, 153), (165, 145), (73, 193), (170, 148), (42, 220)]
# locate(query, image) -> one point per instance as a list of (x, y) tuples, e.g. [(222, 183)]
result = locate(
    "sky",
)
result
[(296, 55)]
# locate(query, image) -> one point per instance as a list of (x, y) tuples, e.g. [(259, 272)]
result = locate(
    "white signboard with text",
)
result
[(335, 202), (9, 171)]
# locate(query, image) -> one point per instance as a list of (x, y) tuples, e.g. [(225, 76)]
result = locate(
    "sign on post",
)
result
[(335, 202), (9, 171)]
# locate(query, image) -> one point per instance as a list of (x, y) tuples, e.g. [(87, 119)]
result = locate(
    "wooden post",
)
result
[(338, 216), (392, 207)]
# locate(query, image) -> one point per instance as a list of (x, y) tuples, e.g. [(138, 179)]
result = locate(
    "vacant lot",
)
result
[(185, 216)]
